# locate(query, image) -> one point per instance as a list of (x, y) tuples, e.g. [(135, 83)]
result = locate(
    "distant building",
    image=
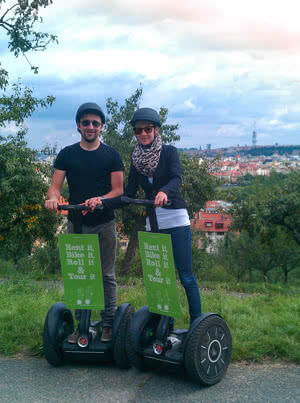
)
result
[(214, 221)]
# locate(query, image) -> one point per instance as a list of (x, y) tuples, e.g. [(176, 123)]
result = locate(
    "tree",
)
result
[(241, 254), (233, 255), (285, 252), (18, 20), (269, 212), (267, 206), (198, 184), (22, 189), (22, 184)]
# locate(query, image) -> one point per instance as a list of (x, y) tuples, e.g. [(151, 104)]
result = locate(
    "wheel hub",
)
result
[(214, 351)]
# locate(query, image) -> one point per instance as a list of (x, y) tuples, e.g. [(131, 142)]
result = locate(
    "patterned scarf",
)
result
[(145, 159)]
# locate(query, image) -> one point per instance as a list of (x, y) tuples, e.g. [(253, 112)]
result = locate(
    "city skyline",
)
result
[(222, 70)]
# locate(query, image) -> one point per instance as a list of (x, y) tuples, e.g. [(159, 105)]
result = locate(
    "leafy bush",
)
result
[(43, 262), (136, 268)]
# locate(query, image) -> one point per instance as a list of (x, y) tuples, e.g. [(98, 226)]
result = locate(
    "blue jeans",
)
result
[(182, 251)]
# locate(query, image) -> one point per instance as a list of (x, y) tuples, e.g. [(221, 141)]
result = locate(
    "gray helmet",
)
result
[(90, 107), (148, 114)]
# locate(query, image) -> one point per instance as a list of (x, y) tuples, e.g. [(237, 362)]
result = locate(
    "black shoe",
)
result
[(106, 335), (72, 339)]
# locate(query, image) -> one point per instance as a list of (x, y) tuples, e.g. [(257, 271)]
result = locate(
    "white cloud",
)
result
[(217, 66)]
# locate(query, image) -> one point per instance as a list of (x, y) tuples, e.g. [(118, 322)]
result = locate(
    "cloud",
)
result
[(217, 66), (195, 24), (220, 115)]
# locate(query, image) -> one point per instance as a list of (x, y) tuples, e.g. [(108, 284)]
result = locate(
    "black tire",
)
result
[(135, 359), (58, 325), (208, 351), (119, 349), (141, 332)]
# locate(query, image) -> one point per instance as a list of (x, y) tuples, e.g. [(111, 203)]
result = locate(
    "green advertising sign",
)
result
[(81, 268), (159, 273)]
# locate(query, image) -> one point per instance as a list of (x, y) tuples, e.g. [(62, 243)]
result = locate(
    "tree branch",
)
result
[(6, 12)]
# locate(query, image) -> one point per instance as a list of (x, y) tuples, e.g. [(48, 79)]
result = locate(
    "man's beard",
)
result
[(90, 139)]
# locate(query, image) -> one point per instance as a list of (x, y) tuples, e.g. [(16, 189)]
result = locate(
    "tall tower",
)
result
[(254, 136)]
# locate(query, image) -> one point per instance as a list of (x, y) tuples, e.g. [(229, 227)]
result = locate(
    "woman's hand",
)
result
[(92, 203), (160, 199)]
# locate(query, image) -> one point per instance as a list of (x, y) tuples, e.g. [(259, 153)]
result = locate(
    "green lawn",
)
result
[(264, 325)]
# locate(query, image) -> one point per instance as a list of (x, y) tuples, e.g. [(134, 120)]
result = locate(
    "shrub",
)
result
[(43, 261)]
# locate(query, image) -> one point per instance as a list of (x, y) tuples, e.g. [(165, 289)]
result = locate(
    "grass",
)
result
[(264, 325)]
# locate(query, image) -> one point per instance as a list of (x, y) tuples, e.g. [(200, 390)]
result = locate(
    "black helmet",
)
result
[(90, 107), (148, 114)]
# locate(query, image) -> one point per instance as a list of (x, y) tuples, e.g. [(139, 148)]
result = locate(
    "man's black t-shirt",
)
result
[(88, 175)]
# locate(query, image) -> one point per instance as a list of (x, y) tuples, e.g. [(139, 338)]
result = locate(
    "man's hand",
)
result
[(160, 199), (51, 204)]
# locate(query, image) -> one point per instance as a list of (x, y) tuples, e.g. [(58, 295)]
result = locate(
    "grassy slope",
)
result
[(264, 325)]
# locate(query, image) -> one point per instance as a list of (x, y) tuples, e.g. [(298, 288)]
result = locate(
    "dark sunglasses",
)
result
[(139, 130), (86, 123)]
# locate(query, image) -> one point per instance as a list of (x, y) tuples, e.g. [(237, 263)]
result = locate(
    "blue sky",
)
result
[(220, 69)]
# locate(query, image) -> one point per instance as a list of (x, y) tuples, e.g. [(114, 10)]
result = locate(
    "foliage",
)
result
[(43, 262), (22, 189), (241, 254), (233, 254), (267, 210), (270, 150), (19, 21), (284, 251), (23, 221), (202, 261), (266, 207), (198, 185), (248, 185), (20, 104)]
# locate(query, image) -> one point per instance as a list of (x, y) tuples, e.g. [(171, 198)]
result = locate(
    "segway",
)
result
[(81, 266), (203, 350)]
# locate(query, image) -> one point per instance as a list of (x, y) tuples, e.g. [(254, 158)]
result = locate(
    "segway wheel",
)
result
[(135, 359), (58, 325), (140, 334), (208, 351), (119, 350)]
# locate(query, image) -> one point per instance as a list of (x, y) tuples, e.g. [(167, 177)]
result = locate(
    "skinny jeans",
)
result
[(182, 251)]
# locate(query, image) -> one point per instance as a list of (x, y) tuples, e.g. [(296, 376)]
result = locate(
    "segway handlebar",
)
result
[(142, 202), (77, 207)]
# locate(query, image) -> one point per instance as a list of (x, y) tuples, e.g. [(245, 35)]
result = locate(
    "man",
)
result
[(92, 169)]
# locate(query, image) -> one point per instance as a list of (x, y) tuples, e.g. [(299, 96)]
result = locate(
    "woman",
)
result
[(156, 168)]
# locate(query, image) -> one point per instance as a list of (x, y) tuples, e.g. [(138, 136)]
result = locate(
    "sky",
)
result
[(222, 68)]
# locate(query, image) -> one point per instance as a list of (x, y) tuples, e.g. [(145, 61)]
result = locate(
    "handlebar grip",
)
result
[(77, 207), (143, 202)]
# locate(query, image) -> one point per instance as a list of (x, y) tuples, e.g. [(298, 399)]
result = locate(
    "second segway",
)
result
[(203, 350)]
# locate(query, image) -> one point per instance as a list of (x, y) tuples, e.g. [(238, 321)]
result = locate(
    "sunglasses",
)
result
[(86, 123), (139, 130)]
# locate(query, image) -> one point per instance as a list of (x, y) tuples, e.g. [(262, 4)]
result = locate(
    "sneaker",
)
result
[(106, 334), (72, 339)]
